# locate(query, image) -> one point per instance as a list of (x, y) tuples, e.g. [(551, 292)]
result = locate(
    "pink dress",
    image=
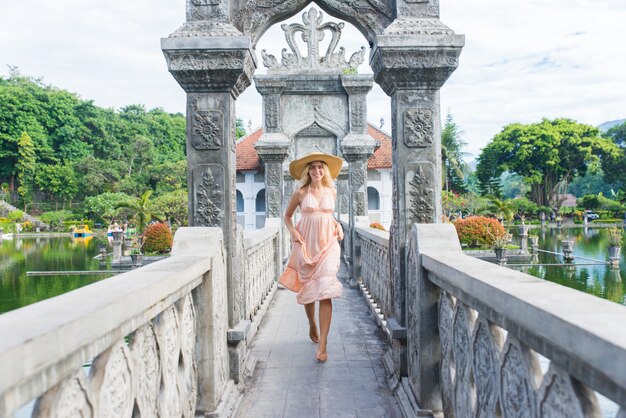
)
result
[(313, 266)]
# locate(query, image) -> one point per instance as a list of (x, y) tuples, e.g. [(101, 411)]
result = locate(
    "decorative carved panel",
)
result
[(112, 379), (485, 366), (420, 198), (166, 328), (561, 396), (209, 195), (208, 129), (446, 311), (462, 361), (188, 383), (418, 127), (518, 373), (147, 369), (68, 399)]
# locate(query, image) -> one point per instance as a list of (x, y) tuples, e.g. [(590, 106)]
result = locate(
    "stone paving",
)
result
[(290, 382)]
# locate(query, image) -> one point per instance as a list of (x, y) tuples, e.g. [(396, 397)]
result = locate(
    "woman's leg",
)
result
[(309, 308), (326, 314)]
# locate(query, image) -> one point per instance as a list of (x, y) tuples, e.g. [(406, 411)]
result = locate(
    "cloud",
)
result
[(522, 60)]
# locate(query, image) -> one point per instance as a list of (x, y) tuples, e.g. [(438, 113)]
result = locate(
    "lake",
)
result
[(17, 256), (589, 271)]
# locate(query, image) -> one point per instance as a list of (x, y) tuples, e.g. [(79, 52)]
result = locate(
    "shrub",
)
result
[(55, 218), (479, 231), (15, 215), (157, 238)]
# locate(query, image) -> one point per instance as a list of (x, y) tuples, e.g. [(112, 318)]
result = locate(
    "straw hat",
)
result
[(296, 167)]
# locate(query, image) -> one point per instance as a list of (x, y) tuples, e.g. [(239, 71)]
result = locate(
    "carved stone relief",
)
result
[(206, 2), (68, 399), (167, 328), (209, 195), (418, 127), (312, 32), (147, 369), (188, 383), (111, 376), (255, 16), (207, 129), (518, 372), (462, 361), (420, 204), (273, 201), (446, 311), (357, 112), (272, 109), (485, 366), (562, 396)]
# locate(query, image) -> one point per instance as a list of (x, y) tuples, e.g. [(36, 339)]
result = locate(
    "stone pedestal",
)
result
[(117, 246)]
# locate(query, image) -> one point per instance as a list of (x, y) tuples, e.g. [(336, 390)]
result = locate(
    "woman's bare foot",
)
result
[(313, 332), (322, 355)]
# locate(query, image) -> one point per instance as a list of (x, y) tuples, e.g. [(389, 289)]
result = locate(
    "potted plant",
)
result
[(135, 252), (616, 235), (534, 240), (499, 244)]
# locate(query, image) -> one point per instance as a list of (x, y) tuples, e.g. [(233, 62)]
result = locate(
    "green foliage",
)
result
[(452, 157), (56, 218), (615, 166), (107, 150), (488, 172), (524, 206), (479, 231), (25, 166), (103, 207), (599, 202), (503, 209), (616, 235), (15, 216), (157, 239), (141, 210), (173, 207), (240, 130), (547, 154)]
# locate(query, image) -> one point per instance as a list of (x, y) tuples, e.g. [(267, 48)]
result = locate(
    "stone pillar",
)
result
[(213, 62), (357, 147), (411, 60)]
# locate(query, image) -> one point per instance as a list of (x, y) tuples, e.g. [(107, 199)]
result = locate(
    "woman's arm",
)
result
[(291, 208)]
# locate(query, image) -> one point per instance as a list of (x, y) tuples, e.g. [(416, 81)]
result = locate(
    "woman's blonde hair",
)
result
[(305, 178)]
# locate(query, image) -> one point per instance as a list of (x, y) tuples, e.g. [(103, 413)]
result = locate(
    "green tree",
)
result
[(25, 168), (240, 130), (488, 172), (59, 180), (502, 209), (173, 207), (452, 157), (103, 207), (548, 154), (615, 167), (141, 208)]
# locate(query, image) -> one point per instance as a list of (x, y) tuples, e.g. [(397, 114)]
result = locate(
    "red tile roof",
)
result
[(248, 159)]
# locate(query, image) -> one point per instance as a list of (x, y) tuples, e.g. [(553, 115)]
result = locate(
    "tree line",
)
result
[(540, 162)]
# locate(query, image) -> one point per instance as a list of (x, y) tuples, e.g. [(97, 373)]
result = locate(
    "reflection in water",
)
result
[(590, 271), (18, 256)]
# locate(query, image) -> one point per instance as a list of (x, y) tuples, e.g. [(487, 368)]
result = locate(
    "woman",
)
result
[(314, 261)]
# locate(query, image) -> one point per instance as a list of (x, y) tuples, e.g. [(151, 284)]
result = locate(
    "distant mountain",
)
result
[(608, 125)]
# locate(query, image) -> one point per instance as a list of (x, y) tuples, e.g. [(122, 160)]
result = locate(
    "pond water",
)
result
[(589, 272), (17, 256)]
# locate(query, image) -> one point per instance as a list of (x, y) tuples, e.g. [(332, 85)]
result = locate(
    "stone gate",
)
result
[(213, 57)]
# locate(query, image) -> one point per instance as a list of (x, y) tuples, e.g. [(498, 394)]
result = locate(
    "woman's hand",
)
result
[(296, 237), (339, 231)]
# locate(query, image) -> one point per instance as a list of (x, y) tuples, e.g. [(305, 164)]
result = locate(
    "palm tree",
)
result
[(142, 208), (503, 209)]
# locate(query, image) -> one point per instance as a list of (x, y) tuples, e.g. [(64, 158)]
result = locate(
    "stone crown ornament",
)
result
[(312, 32)]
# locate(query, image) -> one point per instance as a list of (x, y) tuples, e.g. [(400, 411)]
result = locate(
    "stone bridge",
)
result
[(480, 340)]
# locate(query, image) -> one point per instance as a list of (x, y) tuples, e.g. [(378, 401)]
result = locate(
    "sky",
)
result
[(523, 60)]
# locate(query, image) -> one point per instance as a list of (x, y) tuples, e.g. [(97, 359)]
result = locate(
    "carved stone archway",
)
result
[(212, 57)]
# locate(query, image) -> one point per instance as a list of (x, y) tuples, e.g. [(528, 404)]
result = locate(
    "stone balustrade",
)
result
[(374, 269), (262, 262), (475, 331), (150, 342)]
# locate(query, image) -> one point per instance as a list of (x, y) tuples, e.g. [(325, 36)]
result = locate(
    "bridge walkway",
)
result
[(290, 382)]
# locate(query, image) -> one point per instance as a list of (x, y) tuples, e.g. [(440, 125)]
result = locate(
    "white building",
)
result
[(251, 182)]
